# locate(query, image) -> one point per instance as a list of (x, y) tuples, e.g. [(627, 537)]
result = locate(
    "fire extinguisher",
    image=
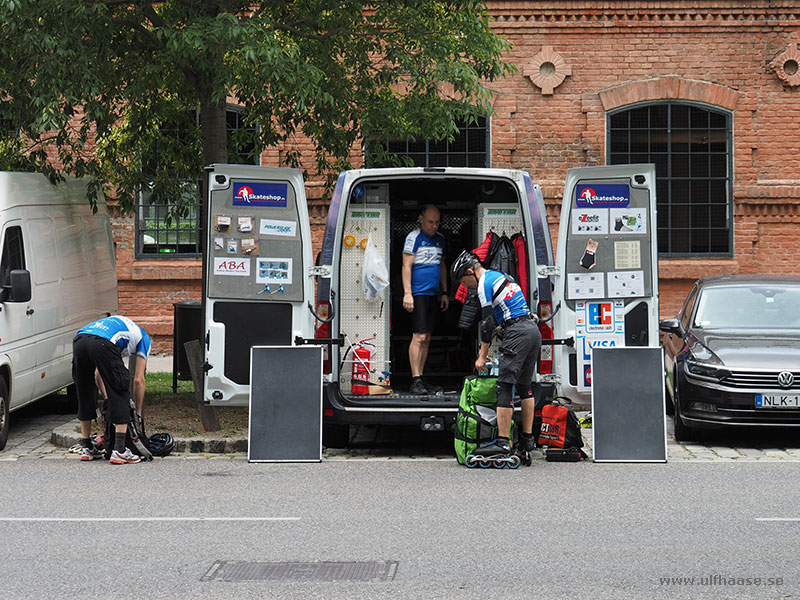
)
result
[(362, 357)]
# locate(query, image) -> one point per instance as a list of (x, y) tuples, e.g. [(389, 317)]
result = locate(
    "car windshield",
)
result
[(753, 306)]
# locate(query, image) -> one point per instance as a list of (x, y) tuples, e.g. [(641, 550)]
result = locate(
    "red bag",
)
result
[(553, 431)]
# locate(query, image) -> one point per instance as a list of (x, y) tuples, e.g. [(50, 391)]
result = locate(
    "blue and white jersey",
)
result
[(428, 255), (509, 304), (123, 333)]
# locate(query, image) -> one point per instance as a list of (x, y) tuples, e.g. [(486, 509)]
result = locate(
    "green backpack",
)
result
[(477, 415)]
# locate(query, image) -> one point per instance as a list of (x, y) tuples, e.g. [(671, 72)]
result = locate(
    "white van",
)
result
[(260, 281), (57, 273)]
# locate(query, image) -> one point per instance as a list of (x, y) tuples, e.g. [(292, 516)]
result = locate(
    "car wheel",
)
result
[(4, 408), (335, 436), (682, 432)]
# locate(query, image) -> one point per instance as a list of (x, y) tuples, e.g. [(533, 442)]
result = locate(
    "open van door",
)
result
[(607, 261), (258, 273)]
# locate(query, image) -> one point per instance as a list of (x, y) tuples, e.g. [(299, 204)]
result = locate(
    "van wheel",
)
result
[(335, 436), (72, 398), (4, 401)]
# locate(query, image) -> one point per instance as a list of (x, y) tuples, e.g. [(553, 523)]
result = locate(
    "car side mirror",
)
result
[(670, 326), (20, 288)]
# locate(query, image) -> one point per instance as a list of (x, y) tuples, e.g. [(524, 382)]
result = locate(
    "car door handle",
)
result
[(29, 312)]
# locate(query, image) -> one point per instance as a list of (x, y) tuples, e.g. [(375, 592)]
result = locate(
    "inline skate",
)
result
[(523, 449), (494, 453)]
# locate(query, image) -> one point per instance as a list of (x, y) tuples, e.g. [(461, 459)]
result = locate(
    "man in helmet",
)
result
[(424, 277), (503, 304), (97, 352)]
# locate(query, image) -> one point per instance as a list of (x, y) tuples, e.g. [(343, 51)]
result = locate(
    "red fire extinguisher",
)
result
[(362, 356)]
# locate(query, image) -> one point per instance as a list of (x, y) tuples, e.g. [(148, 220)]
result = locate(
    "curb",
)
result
[(67, 435)]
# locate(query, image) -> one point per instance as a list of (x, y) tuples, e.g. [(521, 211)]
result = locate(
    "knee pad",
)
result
[(525, 392), (503, 394)]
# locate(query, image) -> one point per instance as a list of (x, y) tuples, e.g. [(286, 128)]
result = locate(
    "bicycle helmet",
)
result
[(465, 260), (161, 444)]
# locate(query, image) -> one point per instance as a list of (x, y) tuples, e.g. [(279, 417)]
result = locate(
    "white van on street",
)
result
[(57, 273), (261, 288)]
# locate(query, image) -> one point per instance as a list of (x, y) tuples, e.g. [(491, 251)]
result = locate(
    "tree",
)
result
[(113, 86)]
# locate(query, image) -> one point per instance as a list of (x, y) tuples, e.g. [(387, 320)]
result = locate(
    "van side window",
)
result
[(13, 254)]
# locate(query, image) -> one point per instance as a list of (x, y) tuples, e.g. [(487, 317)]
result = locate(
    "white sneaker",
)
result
[(90, 454), (121, 458)]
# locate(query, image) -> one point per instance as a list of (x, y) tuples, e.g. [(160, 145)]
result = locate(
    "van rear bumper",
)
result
[(392, 409)]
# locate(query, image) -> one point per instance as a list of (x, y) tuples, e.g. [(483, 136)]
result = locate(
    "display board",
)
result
[(285, 404), (628, 405), (255, 245)]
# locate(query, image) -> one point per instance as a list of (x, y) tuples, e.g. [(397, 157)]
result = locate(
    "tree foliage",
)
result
[(134, 93)]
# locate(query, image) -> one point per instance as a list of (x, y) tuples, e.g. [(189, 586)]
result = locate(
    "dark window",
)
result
[(469, 148), (691, 148), (13, 254), (158, 233)]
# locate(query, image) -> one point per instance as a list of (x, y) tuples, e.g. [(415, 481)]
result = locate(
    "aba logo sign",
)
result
[(602, 195), (259, 194)]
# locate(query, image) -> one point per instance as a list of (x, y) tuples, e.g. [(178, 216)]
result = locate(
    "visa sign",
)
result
[(614, 341)]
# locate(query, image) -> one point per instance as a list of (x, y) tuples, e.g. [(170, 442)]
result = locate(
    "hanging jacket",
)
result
[(520, 250)]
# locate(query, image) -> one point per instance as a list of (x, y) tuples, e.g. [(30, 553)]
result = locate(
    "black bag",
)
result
[(136, 439), (560, 430), (470, 311)]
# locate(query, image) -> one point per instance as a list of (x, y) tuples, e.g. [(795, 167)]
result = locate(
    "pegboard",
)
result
[(360, 319), (500, 218)]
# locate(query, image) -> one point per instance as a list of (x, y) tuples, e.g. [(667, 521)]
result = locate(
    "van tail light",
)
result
[(546, 356), (324, 331)]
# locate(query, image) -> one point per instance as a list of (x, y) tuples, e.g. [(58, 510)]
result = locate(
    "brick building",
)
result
[(708, 90)]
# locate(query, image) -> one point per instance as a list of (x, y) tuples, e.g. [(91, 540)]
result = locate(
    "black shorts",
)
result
[(90, 352), (519, 351), (423, 319)]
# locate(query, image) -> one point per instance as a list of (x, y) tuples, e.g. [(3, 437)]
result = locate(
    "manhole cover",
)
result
[(301, 571)]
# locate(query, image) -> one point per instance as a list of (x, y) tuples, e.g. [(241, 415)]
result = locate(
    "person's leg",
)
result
[(83, 377), (418, 352)]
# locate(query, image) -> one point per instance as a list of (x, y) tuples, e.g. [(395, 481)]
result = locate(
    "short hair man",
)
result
[(98, 349), (503, 303), (424, 277)]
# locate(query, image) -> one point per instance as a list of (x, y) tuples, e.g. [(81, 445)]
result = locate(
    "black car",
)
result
[(732, 355)]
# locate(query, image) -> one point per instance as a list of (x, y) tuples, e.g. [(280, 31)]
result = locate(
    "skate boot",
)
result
[(525, 444), (495, 453)]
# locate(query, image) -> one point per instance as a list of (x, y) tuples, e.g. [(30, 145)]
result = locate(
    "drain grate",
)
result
[(368, 571)]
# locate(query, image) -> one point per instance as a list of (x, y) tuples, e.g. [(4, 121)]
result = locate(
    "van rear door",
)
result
[(608, 265), (258, 282)]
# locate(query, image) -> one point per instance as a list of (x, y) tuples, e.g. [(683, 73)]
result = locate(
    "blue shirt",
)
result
[(428, 254), (123, 333), (509, 304)]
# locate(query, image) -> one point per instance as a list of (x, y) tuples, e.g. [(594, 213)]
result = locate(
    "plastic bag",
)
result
[(374, 273)]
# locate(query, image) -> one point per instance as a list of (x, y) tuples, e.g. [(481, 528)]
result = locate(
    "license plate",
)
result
[(777, 400)]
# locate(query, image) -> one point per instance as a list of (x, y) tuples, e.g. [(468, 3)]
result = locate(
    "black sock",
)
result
[(527, 435), (86, 442), (119, 442), (502, 440)]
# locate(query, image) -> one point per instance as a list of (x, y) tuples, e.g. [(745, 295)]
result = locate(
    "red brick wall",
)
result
[(616, 53)]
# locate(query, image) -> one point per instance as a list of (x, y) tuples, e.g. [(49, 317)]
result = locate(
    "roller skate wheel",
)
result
[(500, 463), (484, 463), (515, 462), (472, 461)]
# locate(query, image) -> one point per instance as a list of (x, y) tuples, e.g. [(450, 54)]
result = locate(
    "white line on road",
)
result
[(139, 519), (777, 518)]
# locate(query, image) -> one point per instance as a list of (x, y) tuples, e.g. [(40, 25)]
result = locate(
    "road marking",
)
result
[(777, 518), (139, 519)]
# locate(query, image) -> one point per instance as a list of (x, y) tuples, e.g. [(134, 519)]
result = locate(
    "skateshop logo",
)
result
[(260, 194), (602, 195)]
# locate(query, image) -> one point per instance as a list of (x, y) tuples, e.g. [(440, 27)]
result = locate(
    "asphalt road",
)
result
[(549, 531)]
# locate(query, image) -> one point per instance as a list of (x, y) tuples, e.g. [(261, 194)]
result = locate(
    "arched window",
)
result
[(691, 148)]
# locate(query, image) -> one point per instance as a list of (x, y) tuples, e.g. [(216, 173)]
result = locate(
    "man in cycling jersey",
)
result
[(503, 304)]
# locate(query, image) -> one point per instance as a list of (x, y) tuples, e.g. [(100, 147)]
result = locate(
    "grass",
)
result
[(177, 413)]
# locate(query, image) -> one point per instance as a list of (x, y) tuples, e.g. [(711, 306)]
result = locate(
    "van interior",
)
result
[(452, 350)]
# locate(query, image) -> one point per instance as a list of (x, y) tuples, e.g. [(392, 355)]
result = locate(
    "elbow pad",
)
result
[(486, 328)]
